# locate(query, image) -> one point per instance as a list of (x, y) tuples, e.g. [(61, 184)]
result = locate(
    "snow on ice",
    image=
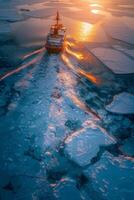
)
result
[(118, 30), (129, 21), (82, 145), (112, 177), (122, 103), (115, 60), (130, 52)]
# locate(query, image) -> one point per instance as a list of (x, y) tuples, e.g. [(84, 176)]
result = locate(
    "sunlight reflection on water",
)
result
[(77, 55), (80, 72), (84, 31)]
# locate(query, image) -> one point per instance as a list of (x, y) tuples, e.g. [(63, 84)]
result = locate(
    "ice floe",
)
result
[(112, 177), (130, 52), (84, 145), (84, 16), (122, 103), (128, 147), (5, 31), (4, 28), (66, 189), (115, 60), (97, 35), (117, 29), (41, 13), (10, 15), (129, 21), (44, 113)]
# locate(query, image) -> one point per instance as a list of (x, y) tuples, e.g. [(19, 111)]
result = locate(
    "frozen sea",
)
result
[(66, 120)]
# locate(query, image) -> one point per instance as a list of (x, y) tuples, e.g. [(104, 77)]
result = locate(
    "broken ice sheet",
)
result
[(10, 15), (5, 31), (121, 12), (66, 189), (41, 13), (122, 103), (129, 21), (82, 146), (129, 52), (112, 177), (115, 60), (115, 28), (97, 35), (4, 27), (128, 146)]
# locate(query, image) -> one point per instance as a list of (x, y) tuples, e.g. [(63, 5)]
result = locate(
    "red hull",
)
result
[(55, 40), (51, 49)]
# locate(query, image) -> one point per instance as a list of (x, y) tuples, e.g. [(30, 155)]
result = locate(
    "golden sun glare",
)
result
[(84, 31)]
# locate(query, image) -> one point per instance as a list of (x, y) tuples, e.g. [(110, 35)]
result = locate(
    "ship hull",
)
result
[(55, 40), (52, 49)]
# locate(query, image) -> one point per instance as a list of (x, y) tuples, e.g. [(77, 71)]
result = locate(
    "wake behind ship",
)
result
[(55, 41)]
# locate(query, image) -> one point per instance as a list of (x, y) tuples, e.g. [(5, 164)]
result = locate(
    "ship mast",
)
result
[(57, 18)]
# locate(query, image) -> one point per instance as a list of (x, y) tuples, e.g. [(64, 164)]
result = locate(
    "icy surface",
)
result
[(115, 60), (10, 15), (130, 52), (128, 147), (41, 13), (112, 178), (129, 21), (118, 30), (82, 146), (56, 133), (5, 31), (67, 189), (122, 103), (4, 28)]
